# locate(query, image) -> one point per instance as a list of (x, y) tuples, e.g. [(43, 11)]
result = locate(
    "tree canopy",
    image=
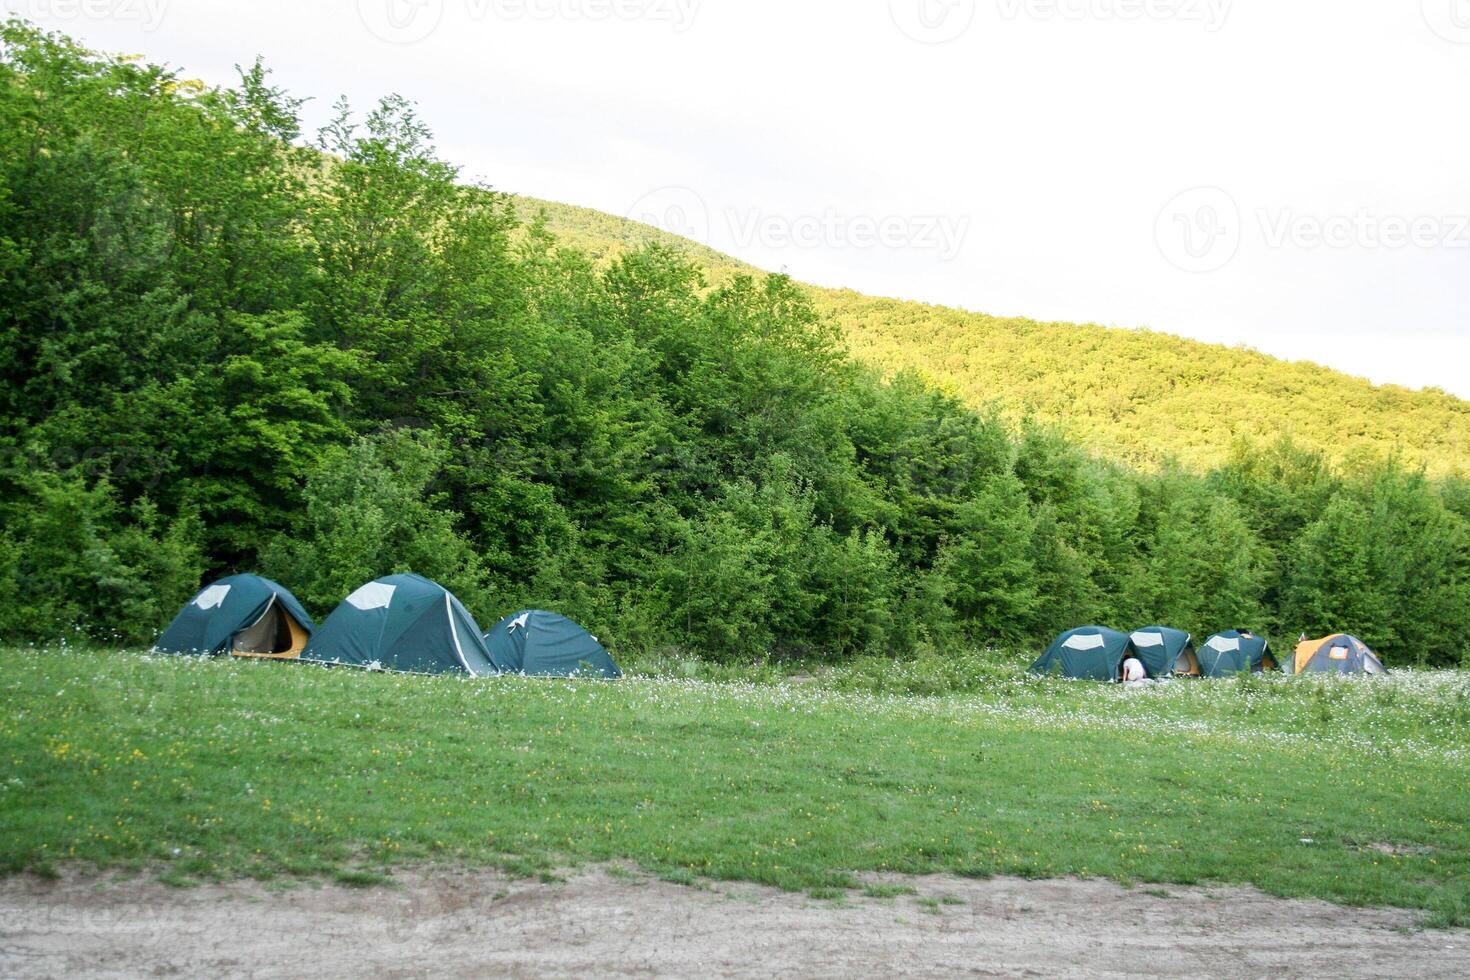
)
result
[(1139, 397), (225, 348)]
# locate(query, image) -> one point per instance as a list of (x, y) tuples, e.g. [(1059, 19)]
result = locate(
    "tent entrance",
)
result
[(1188, 664), (276, 635)]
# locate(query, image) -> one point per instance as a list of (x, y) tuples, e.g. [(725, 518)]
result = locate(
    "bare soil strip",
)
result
[(605, 922)]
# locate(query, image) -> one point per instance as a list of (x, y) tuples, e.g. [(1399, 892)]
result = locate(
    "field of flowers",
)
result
[(1353, 791)]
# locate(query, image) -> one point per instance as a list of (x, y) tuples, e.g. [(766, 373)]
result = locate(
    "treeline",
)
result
[(224, 349), (1145, 398), (1135, 396)]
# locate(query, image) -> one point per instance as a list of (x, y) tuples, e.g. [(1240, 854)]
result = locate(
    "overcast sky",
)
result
[(1292, 175)]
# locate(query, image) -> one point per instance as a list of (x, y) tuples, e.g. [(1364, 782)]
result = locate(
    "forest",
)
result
[(229, 345), (1139, 397)]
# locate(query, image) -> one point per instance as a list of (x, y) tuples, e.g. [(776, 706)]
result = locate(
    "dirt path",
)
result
[(599, 923)]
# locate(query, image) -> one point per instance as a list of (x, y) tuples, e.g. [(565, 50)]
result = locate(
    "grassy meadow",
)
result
[(1349, 791)]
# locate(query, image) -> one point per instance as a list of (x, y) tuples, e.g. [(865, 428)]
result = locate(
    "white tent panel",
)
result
[(212, 597), (374, 595)]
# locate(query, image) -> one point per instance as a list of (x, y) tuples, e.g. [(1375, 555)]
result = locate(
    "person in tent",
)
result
[(1133, 671)]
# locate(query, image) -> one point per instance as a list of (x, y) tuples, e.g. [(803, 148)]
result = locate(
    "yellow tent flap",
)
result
[(276, 635), (1305, 651)]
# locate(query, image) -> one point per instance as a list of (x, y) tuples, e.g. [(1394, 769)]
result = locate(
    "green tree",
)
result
[(370, 511), (986, 563), (1331, 585), (75, 563), (855, 580)]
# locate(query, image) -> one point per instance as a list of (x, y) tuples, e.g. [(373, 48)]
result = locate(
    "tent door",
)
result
[(1188, 664), (274, 636)]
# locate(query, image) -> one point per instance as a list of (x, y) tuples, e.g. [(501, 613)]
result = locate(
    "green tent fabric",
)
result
[(1086, 653), (403, 623), (1165, 651), (1338, 654), (1234, 652), (225, 611), (545, 644)]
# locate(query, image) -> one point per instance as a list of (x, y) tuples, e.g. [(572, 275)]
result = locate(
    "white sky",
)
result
[(1041, 161)]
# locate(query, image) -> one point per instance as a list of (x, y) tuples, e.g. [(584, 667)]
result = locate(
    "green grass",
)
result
[(192, 769)]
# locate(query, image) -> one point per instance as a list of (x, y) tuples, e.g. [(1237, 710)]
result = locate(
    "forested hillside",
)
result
[(227, 345), (1135, 396)]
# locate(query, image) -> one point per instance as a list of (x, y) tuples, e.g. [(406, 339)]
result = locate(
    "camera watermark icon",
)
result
[(1200, 230), (1450, 19), (147, 14), (401, 21), (412, 21), (682, 211), (406, 920), (932, 21), (1210, 14), (677, 210)]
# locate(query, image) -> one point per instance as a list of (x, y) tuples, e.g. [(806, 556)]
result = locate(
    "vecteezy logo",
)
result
[(676, 210), (401, 21), (1199, 230), (1450, 19), (149, 14), (932, 21)]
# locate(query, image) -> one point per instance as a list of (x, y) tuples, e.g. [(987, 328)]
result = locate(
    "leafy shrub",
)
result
[(370, 511), (76, 563)]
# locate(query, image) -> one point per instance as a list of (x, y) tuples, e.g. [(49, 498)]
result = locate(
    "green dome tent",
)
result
[(244, 615), (1339, 654), (404, 623), (1087, 653), (1165, 651), (1233, 652), (545, 644)]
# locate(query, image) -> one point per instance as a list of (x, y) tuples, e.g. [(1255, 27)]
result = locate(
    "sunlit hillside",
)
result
[(1134, 395)]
